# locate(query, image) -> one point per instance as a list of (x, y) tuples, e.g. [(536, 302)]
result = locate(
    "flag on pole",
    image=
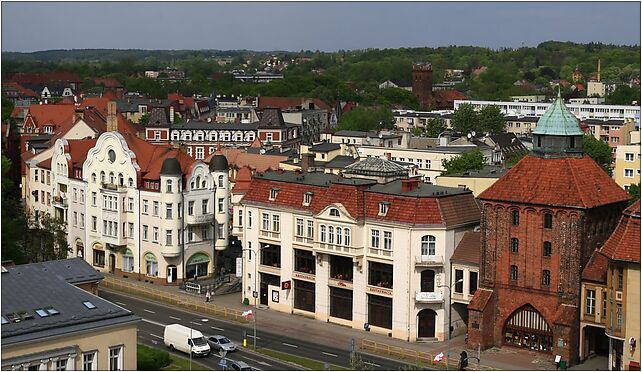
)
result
[(248, 314), (439, 357)]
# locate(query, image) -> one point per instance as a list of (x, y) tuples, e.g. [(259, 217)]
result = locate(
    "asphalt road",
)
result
[(156, 316)]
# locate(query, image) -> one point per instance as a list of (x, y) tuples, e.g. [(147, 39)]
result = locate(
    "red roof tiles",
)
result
[(624, 243), (596, 268), (56, 115), (480, 299), (469, 248), (568, 182)]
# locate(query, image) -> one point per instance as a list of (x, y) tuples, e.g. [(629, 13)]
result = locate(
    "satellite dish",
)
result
[(473, 133), (469, 136)]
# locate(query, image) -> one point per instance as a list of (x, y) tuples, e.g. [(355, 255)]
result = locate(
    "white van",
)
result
[(179, 337)]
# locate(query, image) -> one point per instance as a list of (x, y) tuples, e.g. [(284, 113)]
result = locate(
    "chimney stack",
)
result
[(409, 184), (307, 161), (112, 120), (598, 69)]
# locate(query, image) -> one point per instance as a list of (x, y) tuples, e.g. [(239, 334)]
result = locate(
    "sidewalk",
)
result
[(335, 335)]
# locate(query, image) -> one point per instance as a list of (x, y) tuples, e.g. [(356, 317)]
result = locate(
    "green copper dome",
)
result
[(558, 121)]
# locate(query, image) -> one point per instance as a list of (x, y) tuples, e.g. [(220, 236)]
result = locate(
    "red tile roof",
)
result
[(78, 150), (238, 159), (624, 243), (108, 82), (242, 181), (469, 248), (361, 202), (45, 164), (480, 299), (150, 157), (567, 182), (23, 91), (596, 268), (58, 115), (446, 98)]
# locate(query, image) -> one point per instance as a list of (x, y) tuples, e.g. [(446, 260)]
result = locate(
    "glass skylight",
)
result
[(4, 320), (42, 313), (52, 311), (89, 305)]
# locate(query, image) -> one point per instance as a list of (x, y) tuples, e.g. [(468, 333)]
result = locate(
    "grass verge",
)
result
[(312, 364), (182, 364)]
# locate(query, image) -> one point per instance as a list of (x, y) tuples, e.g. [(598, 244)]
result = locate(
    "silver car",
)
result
[(241, 366), (219, 342)]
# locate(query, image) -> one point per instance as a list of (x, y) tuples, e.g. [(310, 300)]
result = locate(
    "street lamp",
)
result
[(450, 311), (191, 340), (255, 290)]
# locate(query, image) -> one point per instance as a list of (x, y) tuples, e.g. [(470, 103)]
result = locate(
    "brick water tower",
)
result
[(422, 84)]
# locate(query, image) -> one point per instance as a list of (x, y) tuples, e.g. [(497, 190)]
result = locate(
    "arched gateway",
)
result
[(527, 328)]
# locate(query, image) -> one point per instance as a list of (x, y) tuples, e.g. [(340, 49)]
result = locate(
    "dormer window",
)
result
[(334, 212), (307, 198), (273, 193), (383, 208)]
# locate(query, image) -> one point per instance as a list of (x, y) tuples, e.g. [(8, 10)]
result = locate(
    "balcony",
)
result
[(113, 187), (274, 270), (342, 249), (60, 202), (380, 252), (115, 240), (428, 261), (171, 251), (200, 219), (462, 298), (303, 240), (273, 235), (429, 297)]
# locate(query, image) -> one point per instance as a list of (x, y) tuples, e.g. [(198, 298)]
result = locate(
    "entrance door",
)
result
[(427, 283), (171, 273), (264, 294), (112, 263), (426, 323)]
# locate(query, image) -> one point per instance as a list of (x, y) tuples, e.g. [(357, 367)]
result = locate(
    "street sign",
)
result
[(255, 294), (223, 364)]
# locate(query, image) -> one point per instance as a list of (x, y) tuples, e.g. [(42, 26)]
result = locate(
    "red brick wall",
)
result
[(422, 87)]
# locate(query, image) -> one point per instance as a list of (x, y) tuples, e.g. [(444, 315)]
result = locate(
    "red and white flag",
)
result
[(248, 314), (439, 357)]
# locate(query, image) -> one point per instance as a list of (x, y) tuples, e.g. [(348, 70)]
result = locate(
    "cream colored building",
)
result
[(627, 165), (50, 324), (475, 181), (374, 264)]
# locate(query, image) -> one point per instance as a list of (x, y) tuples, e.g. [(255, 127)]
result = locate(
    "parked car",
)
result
[(218, 342), (241, 366), (181, 338)]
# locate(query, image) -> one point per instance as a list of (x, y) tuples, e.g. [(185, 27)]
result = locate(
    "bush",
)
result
[(150, 359), (246, 301)]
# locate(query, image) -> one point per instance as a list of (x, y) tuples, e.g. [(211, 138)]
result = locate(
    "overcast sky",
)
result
[(327, 26)]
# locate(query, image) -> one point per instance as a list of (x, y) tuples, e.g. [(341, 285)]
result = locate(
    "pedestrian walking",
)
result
[(207, 296)]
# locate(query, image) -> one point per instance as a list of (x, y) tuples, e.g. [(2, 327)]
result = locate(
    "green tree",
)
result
[(634, 191), (13, 222), (365, 119), (470, 160), (47, 240), (435, 126), (515, 158), (624, 95), (465, 119), (599, 151), (491, 120), (144, 118)]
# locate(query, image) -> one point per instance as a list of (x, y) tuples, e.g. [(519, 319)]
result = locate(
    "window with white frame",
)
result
[(115, 358), (628, 173), (428, 244), (334, 212), (240, 217), (200, 152), (628, 156), (249, 218), (169, 186), (155, 235), (307, 198), (89, 361), (310, 229), (299, 227), (346, 236), (220, 205), (190, 208), (145, 232), (383, 208), (273, 193), (204, 204), (168, 237), (156, 209), (374, 238), (339, 232), (276, 223), (331, 234), (145, 206), (168, 211), (387, 240), (61, 364), (322, 232), (590, 302), (265, 221)]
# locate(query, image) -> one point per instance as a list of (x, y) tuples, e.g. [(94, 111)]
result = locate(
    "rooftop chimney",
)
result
[(598, 69), (307, 161), (112, 120), (409, 184)]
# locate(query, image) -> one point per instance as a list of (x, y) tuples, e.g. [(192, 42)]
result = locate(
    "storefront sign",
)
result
[(239, 267), (303, 276)]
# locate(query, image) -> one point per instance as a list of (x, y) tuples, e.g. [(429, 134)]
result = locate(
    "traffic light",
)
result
[(463, 360)]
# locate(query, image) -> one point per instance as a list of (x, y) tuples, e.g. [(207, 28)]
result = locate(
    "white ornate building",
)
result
[(353, 251), (133, 208)]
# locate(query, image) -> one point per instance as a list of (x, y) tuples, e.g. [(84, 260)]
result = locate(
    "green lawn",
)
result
[(314, 365), (182, 364)]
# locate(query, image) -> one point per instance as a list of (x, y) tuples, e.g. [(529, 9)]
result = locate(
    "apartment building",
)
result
[(350, 251), (610, 316), (464, 278), (133, 208), (581, 111), (48, 323), (627, 165)]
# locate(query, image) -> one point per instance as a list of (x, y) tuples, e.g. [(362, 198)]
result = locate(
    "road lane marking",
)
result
[(372, 364), (175, 318), (218, 329), (120, 303), (290, 345), (153, 322), (149, 311), (255, 361), (263, 363), (251, 336), (153, 335), (198, 324), (332, 355)]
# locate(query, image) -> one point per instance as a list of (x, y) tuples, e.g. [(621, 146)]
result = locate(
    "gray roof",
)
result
[(27, 288), (171, 167), (350, 133), (219, 163), (131, 105), (325, 147), (340, 161), (158, 118), (73, 270), (203, 125), (489, 171), (311, 178), (373, 166), (424, 189)]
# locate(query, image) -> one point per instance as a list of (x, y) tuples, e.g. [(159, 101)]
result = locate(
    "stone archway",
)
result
[(426, 323), (527, 328)]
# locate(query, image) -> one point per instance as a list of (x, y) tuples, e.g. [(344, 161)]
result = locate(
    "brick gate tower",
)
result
[(540, 224), (422, 84)]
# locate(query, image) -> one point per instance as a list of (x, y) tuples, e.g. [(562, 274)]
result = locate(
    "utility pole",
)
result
[(255, 329)]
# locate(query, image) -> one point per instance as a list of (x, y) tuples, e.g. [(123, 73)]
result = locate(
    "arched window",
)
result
[(515, 217), (102, 176), (339, 235), (130, 182), (514, 245), (548, 249), (546, 277), (220, 181), (198, 181), (112, 178), (322, 234), (204, 184), (121, 179), (548, 221), (93, 177), (346, 236), (334, 212), (330, 234), (513, 273), (428, 245)]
